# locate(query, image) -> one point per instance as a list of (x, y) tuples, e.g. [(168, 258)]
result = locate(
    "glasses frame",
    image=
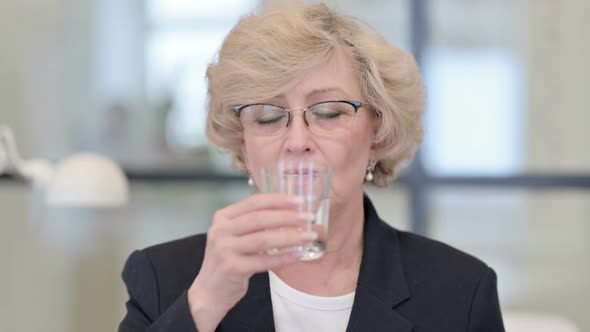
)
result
[(355, 104)]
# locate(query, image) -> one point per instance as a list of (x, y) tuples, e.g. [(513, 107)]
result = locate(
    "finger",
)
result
[(265, 220), (260, 202), (254, 243)]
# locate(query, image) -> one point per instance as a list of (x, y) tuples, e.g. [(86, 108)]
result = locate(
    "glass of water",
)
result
[(310, 180)]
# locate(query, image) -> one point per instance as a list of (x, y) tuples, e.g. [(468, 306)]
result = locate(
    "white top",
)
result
[(295, 311)]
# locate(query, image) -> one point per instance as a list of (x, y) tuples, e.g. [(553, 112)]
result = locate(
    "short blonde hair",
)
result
[(265, 54)]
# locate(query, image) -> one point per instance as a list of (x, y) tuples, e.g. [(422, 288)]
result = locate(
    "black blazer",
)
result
[(406, 283)]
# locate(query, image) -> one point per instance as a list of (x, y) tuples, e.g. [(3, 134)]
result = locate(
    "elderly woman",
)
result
[(277, 76)]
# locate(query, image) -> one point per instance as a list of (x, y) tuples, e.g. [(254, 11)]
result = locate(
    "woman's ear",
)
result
[(376, 121), (375, 126), (245, 157), (375, 152)]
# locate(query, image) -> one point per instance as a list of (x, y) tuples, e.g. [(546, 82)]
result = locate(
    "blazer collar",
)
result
[(380, 288), (381, 284)]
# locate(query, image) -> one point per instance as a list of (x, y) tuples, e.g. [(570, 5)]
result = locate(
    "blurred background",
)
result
[(504, 172)]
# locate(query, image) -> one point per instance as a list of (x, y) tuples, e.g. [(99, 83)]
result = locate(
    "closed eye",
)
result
[(270, 119), (332, 114)]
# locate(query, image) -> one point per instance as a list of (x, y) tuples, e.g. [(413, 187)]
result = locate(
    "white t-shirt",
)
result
[(295, 311)]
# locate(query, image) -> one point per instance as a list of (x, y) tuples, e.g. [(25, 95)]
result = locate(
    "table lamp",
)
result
[(81, 180)]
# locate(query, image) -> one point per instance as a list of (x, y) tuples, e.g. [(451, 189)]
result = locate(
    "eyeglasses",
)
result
[(322, 117)]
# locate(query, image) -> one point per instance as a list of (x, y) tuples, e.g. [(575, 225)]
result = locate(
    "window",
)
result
[(183, 37)]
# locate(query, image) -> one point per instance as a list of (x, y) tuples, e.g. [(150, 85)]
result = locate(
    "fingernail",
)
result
[(296, 200), (307, 216), (309, 236)]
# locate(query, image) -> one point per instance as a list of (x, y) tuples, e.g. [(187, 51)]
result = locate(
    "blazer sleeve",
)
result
[(143, 307), (485, 314)]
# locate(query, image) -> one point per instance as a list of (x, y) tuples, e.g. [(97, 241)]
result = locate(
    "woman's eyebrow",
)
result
[(279, 99)]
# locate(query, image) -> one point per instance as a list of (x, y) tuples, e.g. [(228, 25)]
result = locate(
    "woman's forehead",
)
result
[(332, 78)]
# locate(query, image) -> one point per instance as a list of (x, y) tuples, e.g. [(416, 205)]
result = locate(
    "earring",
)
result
[(370, 169), (251, 181)]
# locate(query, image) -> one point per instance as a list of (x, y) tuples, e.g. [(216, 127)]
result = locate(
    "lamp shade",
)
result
[(87, 180)]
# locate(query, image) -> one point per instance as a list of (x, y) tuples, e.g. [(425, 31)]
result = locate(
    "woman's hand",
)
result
[(237, 245)]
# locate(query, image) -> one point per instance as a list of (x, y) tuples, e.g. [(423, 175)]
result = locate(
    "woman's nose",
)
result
[(298, 137)]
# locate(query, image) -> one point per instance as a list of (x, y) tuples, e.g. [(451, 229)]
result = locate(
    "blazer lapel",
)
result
[(254, 311), (369, 313), (381, 284)]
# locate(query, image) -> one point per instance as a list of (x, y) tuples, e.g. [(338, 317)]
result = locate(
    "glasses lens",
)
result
[(330, 116), (264, 120)]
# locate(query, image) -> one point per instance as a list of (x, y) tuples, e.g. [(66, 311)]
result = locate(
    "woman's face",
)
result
[(347, 151)]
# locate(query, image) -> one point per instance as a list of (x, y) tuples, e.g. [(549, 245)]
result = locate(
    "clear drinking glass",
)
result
[(310, 180)]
